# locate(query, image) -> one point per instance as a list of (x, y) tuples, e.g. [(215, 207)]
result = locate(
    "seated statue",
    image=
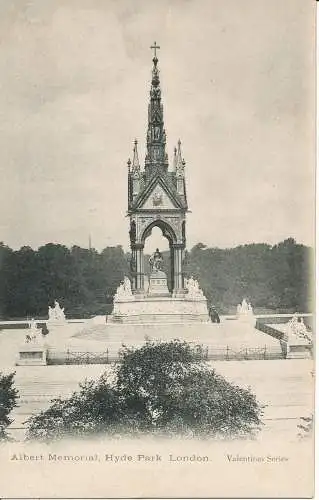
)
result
[(156, 261)]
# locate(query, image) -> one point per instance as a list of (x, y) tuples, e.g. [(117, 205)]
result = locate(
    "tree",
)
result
[(163, 388), (8, 398), (278, 278), (5, 276)]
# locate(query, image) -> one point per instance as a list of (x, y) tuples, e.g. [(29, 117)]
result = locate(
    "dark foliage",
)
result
[(275, 278), (8, 400), (82, 280), (160, 388)]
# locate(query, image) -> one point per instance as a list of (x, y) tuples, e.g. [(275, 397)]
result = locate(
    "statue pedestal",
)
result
[(298, 348), (55, 324), (158, 285), (57, 329), (247, 318), (32, 354)]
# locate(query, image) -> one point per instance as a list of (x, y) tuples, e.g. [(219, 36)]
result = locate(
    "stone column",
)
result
[(139, 276), (178, 272), (172, 278), (133, 267)]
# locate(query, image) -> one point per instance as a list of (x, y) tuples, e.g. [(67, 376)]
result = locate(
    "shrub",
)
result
[(160, 388), (8, 398)]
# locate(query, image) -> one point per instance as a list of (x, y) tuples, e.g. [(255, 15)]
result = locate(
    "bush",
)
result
[(161, 388), (8, 398)]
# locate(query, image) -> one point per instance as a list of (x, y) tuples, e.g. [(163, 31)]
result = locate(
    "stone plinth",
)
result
[(158, 284), (56, 325), (247, 318), (160, 310), (32, 354), (299, 351), (297, 347)]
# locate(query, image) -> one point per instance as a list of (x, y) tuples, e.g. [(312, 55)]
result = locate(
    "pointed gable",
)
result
[(158, 195), (158, 199)]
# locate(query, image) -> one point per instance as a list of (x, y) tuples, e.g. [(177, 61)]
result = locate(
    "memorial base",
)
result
[(160, 310)]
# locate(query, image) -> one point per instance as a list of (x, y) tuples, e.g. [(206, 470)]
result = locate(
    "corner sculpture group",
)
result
[(56, 315), (124, 290), (298, 329)]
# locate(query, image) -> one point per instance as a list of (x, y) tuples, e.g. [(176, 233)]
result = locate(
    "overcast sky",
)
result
[(237, 86)]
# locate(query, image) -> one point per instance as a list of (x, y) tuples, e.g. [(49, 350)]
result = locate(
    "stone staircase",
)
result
[(222, 341)]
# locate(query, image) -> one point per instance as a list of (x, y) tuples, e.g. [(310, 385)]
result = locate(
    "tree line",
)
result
[(274, 278), (277, 278)]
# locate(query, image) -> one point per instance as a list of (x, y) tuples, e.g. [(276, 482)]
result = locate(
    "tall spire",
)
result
[(179, 161), (135, 172), (175, 160), (135, 163), (179, 165), (156, 157)]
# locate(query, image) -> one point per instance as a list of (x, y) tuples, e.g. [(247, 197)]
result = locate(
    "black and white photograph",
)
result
[(157, 248)]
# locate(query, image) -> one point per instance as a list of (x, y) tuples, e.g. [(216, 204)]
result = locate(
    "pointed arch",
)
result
[(165, 227)]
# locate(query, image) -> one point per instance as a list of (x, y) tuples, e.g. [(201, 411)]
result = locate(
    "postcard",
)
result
[(157, 227)]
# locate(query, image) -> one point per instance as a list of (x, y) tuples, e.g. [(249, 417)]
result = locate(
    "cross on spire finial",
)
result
[(155, 47)]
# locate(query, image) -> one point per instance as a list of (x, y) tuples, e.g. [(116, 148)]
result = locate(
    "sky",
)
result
[(237, 79)]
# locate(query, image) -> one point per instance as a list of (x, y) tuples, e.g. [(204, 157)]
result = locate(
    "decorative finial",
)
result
[(178, 160), (129, 163), (175, 159), (155, 47), (136, 163)]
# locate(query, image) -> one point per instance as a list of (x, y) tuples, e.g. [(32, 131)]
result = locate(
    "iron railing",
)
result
[(202, 353)]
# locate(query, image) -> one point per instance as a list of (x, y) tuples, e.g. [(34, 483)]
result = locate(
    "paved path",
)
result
[(285, 386)]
